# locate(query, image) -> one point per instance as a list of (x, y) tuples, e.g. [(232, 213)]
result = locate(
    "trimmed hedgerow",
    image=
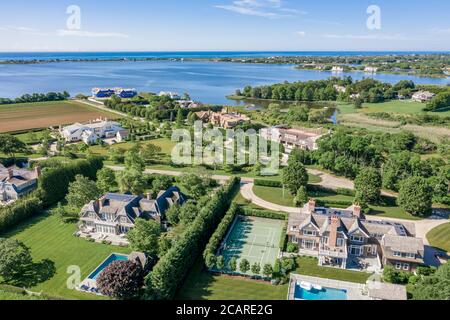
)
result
[(249, 212), (268, 183), (54, 182), (19, 211), (168, 274), (221, 231)]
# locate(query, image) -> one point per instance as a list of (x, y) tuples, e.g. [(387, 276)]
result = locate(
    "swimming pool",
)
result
[(324, 294), (114, 257)]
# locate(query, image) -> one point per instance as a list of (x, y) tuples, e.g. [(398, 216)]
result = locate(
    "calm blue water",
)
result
[(188, 54), (208, 82), (325, 294), (114, 257)]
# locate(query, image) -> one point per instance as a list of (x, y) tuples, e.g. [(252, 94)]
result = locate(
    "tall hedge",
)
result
[(54, 182), (168, 274), (249, 212), (268, 183), (19, 211), (221, 231)]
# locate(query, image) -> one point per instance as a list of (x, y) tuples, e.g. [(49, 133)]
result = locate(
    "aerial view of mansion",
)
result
[(16, 182), (115, 214), (291, 139), (347, 240), (91, 132), (224, 119)]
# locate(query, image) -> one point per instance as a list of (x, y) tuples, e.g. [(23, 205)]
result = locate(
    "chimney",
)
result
[(334, 225), (38, 171), (312, 205), (357, 211), (101, 203), (10, 173)]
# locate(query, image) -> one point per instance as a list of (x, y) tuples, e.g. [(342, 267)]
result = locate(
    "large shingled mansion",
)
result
[(347, 240)]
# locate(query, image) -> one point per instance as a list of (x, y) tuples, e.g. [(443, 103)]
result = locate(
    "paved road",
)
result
[(100, 106)]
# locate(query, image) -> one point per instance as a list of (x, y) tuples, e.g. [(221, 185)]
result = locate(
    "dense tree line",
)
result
[(37, 97), (19, 211), (56, 177), (220, 233), (156, 108), (170, 271), (368, 90)]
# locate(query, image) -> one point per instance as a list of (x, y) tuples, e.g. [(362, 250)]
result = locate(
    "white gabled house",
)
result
[(91, 132)]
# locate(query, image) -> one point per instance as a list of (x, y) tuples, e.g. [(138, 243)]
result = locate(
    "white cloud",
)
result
[(441, 30), (260, 8), (301, 34), (89, 34)]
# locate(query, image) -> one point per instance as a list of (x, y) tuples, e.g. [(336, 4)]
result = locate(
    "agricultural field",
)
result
[(27, 116), (54, 249)]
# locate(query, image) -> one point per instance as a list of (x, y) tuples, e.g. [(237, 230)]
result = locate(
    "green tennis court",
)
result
[(254, 239)]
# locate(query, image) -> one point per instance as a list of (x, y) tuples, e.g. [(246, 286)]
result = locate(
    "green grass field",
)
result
[(8, 296), (439, 237), (165, 144), (254, 239), (308, 266), (52, 242), (276, 195), (202, 285), (394, 106), (26, 116)]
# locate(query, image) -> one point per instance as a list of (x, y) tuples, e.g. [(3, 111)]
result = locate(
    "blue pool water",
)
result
[(325, 294), (114, 257)]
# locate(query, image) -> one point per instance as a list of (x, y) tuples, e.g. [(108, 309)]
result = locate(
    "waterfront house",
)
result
[(171, 95), (422, 96), (371, 70), (346, 239), (102, 93), (337, 69), (115, 214), (16, 182), (305, 139), (91, 132)]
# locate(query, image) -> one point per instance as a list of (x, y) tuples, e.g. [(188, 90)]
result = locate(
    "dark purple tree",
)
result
[(121, 280)]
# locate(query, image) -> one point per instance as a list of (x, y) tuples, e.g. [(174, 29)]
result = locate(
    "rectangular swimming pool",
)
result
[(324, 294), (114, 257)]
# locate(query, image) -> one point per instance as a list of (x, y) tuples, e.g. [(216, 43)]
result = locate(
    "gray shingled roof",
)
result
[(386, 291)]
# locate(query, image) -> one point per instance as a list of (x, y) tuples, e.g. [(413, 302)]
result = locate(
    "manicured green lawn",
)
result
[(201, 285), (53, 240), (8, 296), (308, 266), (166, 146), (439, 237), (394, 106), (276, 195)]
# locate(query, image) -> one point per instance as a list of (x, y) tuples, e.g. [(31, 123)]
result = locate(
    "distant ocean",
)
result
[(190, 54)]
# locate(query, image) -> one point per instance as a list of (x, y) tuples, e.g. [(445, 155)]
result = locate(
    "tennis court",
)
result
[(254, 239)]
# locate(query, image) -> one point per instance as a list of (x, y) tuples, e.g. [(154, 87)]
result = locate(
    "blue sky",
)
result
[(241, 25)]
